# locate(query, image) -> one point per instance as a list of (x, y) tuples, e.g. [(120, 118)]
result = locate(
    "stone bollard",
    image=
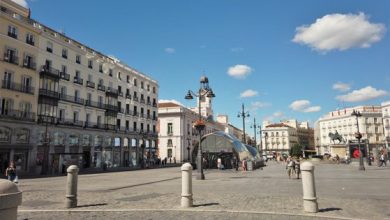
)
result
[(10, 199), (186, 185), (71, 187), (309, 189)]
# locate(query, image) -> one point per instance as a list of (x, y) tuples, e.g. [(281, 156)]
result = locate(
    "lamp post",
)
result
[(243, 114), (358, 136), (318, 146), (188, 149), (265, 138), (204, 91), (254, 126)]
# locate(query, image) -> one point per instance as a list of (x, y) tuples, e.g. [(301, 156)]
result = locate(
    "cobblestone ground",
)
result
[(343, 193)]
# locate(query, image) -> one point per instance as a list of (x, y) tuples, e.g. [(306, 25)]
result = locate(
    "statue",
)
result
[(336, 136)]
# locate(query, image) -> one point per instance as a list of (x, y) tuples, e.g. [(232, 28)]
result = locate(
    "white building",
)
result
[(177, 136), (386, 122), (370, 126)]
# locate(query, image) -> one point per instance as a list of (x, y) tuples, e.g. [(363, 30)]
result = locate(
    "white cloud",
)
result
[(21, 2), (363, 94), (171, 100), (340, 32), (239, 71), (259, 105), (274, 116), (342, 87), (304, 106), (169, 50), (237, 49), (248, 93)]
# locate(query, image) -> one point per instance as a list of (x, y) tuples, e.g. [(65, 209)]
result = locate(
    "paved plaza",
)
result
[(343, 193)]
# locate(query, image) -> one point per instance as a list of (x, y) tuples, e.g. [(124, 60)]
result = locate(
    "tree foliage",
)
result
[(296, 150)]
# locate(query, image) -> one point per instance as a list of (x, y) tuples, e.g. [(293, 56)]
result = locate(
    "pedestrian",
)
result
[(297, 168), (290, 166), (219, 163), (10, 172), (243, 165), (382, 160), (337, 159), (346, 158)]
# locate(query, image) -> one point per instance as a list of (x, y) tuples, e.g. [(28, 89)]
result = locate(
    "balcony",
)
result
[(64, 76), (128, 96), (111, 107), (6, 84), (11, 58), (49, 93), (154, 118), (30, 41), (148, 103), (50, 72), (70, 122), (64, 56), (94, 104), (50, 50), (90, 84), (135, 98), (112, 92), (135, 114), (78, 80), (73, 99), (120, 93), (109, 127), (142, 101), (101, 88), (17, 115), (13, 35), (154, 104), (46, 119), (128, 112), (94, 125), (29, 64)]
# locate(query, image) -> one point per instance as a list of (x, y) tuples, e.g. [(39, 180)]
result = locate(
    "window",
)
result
[(12, 31), (99, 120), (100, 101), (127, 125), (76, 94), (89, 97), (154, 90), (63, 91), (135, 110), (90, 64), (11, 56), (29, 61), (110, 72), (119, 76), (78, 59), (63, 69), (77, 75), (169, 153), (148, 88), (75, 117), (170, 129), (148, 128), (30, 39), (118, 123), (49, 47), (142, 85), (154, 128), (87, 118), (135, 82), (134, 126), (128, 79), (26, 84), (101, 68), (65, 53), (169, 143), (7, 83), (142, 126), (61, 114)]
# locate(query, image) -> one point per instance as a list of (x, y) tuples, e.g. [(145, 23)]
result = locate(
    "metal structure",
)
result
[(244, 115), (255, 126), (358, 136), (204, 91)]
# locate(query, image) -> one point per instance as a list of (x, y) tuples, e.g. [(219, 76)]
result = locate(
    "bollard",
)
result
[(71, 187), (309, 189), (186, 185), (10, 199)]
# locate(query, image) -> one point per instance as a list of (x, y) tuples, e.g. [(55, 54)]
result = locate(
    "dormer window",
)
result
[(49, 47)]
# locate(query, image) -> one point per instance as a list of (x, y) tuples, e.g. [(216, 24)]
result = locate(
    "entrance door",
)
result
[(86, 159), (4, 161)]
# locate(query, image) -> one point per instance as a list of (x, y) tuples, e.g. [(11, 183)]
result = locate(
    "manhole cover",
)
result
[(141, 197)]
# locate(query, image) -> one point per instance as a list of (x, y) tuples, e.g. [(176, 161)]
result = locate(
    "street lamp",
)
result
[(265, 138), (204, 91), (358, 136), (188, 148), (243, 114), (254, 126)]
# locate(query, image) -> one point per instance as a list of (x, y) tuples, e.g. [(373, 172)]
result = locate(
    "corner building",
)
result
[(64, 103)]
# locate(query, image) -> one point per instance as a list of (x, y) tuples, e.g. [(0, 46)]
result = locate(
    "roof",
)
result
[(167, 105), (277, 125)]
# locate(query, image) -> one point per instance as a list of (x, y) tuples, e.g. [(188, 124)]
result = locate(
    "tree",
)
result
[(296, 150)]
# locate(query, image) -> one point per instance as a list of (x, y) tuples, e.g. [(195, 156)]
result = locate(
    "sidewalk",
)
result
[(343, 193)]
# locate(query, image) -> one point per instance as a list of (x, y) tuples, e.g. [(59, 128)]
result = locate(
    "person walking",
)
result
[(290, 166), (10, 172), (243, 165), (219, 163), (297, 168), (382, 160)]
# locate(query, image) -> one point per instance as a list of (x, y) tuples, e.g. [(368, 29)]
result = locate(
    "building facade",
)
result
[(178, 139), (64, 103), (280, 137), (342, 122), (386, 122)]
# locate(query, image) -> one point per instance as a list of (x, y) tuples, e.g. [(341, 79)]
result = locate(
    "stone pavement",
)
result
[(343, 193)]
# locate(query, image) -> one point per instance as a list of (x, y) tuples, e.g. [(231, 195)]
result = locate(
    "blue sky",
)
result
[(301, 59)]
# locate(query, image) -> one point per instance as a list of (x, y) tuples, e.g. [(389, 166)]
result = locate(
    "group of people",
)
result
[(293, 167)]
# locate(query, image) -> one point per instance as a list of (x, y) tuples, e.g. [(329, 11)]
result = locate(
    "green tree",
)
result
[(296, 150)]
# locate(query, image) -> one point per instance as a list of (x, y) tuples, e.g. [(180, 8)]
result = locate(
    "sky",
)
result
[(282, 59)]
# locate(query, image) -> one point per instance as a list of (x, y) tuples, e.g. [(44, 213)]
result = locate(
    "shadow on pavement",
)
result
[(91, 205), (206, 204), (329, 209)]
